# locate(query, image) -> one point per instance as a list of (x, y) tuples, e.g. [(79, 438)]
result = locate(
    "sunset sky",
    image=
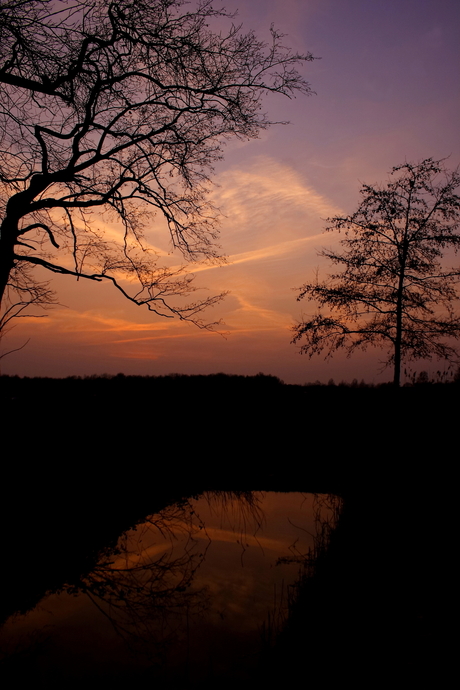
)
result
[(387, 90)]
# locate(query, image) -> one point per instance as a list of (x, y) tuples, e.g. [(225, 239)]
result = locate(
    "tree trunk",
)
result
[(17, 207), (398, 339), (397, 370), (399, 312), (8, 236)]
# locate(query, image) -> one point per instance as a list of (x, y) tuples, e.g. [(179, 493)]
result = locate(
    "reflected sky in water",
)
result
[(194, 592)]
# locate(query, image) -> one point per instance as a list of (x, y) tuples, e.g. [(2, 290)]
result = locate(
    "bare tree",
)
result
[(122, 108), (23, 292), (394, 289)]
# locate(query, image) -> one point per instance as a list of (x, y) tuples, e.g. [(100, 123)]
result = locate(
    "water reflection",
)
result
[(186, 595)]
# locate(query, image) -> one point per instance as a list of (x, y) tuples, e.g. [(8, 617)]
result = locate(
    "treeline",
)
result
[(108, 383), (420, 378)]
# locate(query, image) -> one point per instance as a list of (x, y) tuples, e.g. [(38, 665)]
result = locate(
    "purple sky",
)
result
[(387, 91)]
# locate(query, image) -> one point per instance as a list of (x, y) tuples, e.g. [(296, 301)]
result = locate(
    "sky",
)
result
[(387, 91)]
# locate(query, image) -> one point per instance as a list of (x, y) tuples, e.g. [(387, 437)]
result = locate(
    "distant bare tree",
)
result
[(121, 107), (393, 288)]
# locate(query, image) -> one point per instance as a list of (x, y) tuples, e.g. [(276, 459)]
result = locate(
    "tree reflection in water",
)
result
[(144, 586)]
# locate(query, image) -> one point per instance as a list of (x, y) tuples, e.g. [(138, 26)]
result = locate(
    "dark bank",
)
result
[(92, 458)]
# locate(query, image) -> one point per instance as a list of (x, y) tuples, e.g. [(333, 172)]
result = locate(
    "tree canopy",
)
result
[(122, 108), (394, 288)]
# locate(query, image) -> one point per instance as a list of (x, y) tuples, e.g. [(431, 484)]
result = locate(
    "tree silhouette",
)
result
[(394, 289), (122, 108)]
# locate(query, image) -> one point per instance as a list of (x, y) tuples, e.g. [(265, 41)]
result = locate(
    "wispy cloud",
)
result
[(249, 316), (273, 250), (268, 189), (271, 208), (89, 321)]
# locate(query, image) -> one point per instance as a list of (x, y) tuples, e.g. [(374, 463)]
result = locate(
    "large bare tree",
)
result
[(121, 107), (395, 288)]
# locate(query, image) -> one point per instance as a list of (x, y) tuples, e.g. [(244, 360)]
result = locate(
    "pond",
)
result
[(192, 594)]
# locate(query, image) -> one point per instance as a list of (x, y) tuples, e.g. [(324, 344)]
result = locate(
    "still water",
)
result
[(194, 593)]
